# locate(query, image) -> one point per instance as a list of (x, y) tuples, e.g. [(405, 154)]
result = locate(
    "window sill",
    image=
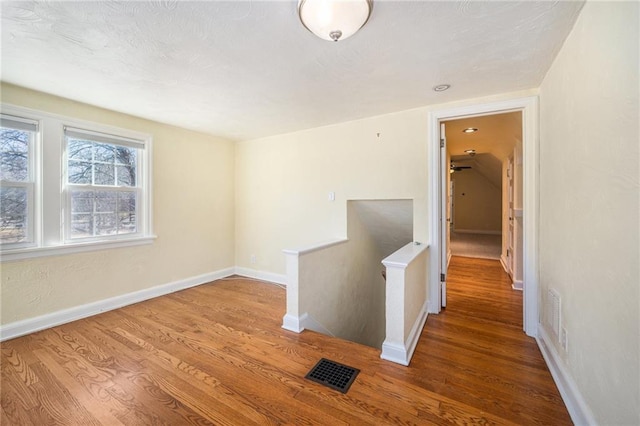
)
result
[(34, 252)]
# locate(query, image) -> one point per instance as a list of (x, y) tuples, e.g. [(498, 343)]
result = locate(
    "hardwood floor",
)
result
[(216, 354)]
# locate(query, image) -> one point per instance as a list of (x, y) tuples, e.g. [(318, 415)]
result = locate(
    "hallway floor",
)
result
[(475, 350), (483, 246)]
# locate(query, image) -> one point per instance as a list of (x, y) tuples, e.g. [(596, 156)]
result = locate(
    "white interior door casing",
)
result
[(510, 213), (444, 224), (529, 108)]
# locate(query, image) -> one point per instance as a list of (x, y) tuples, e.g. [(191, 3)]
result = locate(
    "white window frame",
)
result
[(51, 204), (111, 139), (32, 184)]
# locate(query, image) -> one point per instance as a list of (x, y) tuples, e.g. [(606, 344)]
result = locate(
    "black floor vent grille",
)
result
[(332, 374)]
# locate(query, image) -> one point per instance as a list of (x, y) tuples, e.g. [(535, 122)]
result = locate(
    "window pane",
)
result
[(111, 165), (79, 172), (105, 216), (105, 223), (82, 202), (97, 164), (104, 174), (14, 154), (126, 160), (79, 150), (106, 202), (127, 212), (13, 215), (127, 202), (126, 176), (104, 153), (126, 223), (95, 213), (126, 156), (81, 225)]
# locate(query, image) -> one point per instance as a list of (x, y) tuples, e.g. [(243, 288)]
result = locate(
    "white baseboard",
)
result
[(503, 262), (578, 409), (402, 354), (261, 275), (294, 323), (31, 325), (434, 308), (394, 353), (517, 285), (477, 231)]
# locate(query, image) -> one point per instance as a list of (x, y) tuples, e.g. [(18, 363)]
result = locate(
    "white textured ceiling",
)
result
[(247, 69)]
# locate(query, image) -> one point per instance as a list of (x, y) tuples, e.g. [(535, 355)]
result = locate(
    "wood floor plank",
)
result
[(56, 400), (99, 411), (216, 354), (14, 408)]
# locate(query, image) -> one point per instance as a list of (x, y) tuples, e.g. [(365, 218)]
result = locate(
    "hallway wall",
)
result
[(589, 206), (477, 203)]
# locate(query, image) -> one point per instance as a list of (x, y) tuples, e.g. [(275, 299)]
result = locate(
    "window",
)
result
[(101, 184), (70, 186), (17, 181)]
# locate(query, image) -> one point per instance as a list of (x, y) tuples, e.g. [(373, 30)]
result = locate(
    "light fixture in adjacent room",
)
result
[(470, 130), (471, 152), (334, 20)]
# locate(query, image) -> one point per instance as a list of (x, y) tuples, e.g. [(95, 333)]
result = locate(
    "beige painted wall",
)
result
[(477, 203), (341, 287), (193, 214), (589, 205), (282, 182)]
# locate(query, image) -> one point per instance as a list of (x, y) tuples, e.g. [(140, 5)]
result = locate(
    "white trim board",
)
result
[(293, 323), (503, 262), (42, 322), (577, 406), (31, 325), (261, 275)]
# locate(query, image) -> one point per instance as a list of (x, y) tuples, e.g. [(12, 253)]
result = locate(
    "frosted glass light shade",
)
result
[(334, 20)]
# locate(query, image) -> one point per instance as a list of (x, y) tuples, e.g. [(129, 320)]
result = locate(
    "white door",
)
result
[(444, 224)]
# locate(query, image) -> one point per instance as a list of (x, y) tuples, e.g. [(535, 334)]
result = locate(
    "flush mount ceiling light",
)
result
[(334, 20), (441, 87), (471, 152), (470, 130)]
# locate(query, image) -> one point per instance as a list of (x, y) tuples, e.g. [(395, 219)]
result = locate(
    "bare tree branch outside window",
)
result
[(14, 171), (107, 204)]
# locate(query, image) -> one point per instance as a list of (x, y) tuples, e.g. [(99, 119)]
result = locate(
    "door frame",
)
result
[(530, 201)]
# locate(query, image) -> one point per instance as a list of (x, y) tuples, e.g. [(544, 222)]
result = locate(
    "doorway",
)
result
[(439, 202), (484, 154)]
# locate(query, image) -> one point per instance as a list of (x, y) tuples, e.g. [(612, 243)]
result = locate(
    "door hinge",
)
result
[(442, 278), (441, 143)]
